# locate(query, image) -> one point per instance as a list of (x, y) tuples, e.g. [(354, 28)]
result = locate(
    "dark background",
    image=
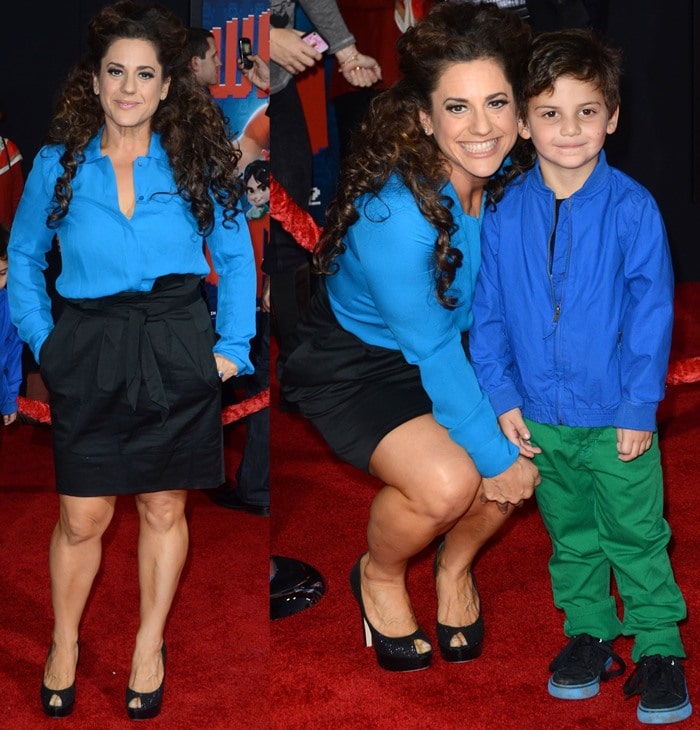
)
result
[(660, 116)]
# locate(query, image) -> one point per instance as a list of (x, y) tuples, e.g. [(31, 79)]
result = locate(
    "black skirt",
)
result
[(135, 394), (354, 393)]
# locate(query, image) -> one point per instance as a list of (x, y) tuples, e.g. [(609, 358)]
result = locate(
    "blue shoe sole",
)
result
[(576, 691), (573, 692), (665, 715)]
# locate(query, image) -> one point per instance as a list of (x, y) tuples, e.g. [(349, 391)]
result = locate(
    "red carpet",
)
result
[(322, 676), (217, 636)]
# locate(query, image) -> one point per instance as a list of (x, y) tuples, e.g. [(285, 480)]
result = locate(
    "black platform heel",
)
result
[(150, 701), (473, 634), (396, 654), (67, 695)]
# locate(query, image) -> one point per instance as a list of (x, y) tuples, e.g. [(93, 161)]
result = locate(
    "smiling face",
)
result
[(130, 83), (258, 193), (568, 125), (473, 120)]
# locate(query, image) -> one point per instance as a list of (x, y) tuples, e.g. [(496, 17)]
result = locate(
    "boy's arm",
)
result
[(647, 316)]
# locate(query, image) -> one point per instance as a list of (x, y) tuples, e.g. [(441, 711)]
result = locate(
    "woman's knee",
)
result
[(452, 490), (82, 521), (162, 511)]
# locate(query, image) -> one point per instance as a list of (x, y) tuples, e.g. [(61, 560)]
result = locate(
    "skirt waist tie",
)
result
[(169, 297)]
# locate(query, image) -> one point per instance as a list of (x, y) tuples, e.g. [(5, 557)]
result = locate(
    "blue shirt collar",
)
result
[(92, 149)]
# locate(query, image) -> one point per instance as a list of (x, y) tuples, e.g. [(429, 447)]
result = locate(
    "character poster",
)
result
[(244, 106)]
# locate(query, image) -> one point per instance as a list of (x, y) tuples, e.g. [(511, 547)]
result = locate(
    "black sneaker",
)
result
[(660, 680), (580, 666)]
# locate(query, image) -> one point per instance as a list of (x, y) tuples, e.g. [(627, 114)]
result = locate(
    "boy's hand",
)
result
[(515, 430), (631, 444), (9, 418)]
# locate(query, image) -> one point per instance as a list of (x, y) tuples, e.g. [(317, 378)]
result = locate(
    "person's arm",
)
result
[(488, 341), (232, 255), (396, 255), (11, 372), (30, 241), (647, 317)]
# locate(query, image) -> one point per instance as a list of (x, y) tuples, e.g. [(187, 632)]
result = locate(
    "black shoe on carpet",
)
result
[(580, 667), (660, 680)]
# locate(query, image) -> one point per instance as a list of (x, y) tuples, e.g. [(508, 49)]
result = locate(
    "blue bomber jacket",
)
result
[(577, 336)]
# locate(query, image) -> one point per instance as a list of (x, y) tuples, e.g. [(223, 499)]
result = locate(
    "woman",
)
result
[(138, 171), (380, 368)]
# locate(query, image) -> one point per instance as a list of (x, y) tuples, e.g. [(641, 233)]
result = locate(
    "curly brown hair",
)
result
[(391, 138), (192, 128)]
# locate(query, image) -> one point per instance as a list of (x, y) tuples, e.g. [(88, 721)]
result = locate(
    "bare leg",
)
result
[(163, 542), (430, 483), (458, 601), (74, 559)]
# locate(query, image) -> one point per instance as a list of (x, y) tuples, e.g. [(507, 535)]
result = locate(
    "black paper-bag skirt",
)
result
[(134, 392), (353, 392)]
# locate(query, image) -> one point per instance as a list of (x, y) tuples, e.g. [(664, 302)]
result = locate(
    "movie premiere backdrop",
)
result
[(243, 104)]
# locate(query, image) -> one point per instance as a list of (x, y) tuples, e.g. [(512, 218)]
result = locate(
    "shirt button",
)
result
[(140, 197)]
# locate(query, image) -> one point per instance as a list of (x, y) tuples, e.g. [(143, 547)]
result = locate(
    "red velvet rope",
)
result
[(38, 411), (292, 218)]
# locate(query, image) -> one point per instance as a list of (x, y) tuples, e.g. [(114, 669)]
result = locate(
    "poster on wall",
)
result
[(244, 107)]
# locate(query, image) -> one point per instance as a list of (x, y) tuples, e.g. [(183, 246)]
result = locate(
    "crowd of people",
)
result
[(477, 243)]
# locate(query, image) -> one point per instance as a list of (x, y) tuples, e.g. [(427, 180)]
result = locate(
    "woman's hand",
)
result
[(516, 484), (225, 367), (289, 51), (515, 430), (357, 68)]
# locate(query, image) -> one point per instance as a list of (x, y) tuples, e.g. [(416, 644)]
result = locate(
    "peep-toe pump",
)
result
[(396, 654), (150, 701), (473, 634), (66, 695)]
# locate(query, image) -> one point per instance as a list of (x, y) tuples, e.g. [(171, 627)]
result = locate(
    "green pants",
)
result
[(601, 514)]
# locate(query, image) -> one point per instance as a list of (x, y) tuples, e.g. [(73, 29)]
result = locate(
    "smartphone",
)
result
[(315, 40), (245, 48)]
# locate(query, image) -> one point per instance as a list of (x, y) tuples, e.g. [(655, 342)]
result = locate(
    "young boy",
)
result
[(573, 314), (10, 344)]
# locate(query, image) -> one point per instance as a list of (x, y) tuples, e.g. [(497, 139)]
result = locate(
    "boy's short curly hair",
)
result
[(577, 53)]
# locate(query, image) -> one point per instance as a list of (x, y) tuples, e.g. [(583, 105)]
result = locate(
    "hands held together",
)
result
[(518, 482)]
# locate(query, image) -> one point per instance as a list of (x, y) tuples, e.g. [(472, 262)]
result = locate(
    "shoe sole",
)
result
[(576, 691), (573, 692), (664, 716)]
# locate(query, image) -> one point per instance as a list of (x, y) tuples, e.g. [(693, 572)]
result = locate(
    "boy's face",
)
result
[(568, 125), (3, 273)]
